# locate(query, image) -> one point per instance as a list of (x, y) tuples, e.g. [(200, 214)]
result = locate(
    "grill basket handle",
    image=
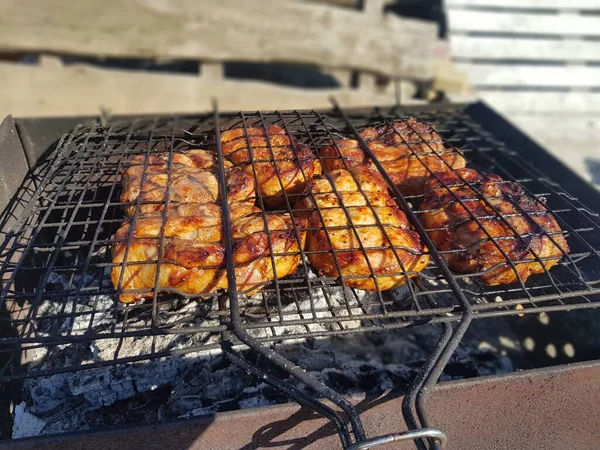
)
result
[(432, 433)]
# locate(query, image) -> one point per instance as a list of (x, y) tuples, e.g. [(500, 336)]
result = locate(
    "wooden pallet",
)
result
[(538, 62), (379, 47)]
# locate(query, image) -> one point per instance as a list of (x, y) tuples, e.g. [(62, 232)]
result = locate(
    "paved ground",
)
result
[(580, 152)]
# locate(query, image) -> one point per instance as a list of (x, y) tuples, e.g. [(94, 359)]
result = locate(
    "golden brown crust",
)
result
[(193, 179), (408, 150), (261, 257), (277, 168), (477, 252), (368, 235), (194, 255), (358, 186), (306, 205), (190, 230), (140, 272)]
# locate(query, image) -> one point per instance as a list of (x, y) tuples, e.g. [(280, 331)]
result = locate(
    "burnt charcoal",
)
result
[(461, 370), (340, 382), (370, 381)]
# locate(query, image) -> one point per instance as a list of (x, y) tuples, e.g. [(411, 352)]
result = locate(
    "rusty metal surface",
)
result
[(13, 164), (13, 171), (550, 409)]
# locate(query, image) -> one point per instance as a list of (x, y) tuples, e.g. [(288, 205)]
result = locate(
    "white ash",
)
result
[(85, 318), (199, 386), (205, 382), (254, 402), (323, 301), (86, 311), (196, 412), (26, 424)]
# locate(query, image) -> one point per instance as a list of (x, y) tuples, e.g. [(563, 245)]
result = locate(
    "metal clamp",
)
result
[(432, 433)]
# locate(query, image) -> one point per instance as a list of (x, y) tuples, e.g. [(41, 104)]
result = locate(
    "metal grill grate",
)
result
[(56, 261)]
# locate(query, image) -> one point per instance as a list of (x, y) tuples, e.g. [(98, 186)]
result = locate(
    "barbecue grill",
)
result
[(59, 226)]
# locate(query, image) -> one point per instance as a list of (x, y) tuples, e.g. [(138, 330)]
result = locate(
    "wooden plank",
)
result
[(50, 61), (535, 4), (406, 88), (83, 90), (367, 81), (345, 3), (572, 103), (516, 22), (265, 31), (375, 7), (511, 48), (448, 79), (531, 75), (213, 71)]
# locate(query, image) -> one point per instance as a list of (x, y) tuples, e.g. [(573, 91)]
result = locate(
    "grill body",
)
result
[(63, 217)]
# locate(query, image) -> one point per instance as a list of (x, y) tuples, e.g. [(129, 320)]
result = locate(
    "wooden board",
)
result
[(537, 4), (518, 22), (531, 75), (515, 48), (227, 30), (82, 90), (345, 3), (510, 44)]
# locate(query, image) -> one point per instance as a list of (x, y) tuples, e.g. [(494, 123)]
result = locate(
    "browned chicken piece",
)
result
[(348, 188), (193, 178), (193, 258), (454, 230), (278, 169), (368, 224), (255, 250), (408, 151)]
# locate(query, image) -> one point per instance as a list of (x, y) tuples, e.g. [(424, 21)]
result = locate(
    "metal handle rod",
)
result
[(239, 331), (292, 392), (430, 374), (410, 406), (423, 433)]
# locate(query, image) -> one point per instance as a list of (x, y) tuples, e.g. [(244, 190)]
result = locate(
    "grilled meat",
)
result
[(361, 186), (188, 234), (280, 165), (408, 150), (353, 216), (193, 178), (193, 253), (498, 206)]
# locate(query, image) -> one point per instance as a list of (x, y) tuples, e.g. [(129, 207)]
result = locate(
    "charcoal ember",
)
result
[(47, 395)]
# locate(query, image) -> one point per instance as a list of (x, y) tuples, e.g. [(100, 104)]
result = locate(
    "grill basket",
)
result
[(56, 260)]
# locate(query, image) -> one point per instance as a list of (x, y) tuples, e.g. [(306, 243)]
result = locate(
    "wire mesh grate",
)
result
[(56, 263)]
